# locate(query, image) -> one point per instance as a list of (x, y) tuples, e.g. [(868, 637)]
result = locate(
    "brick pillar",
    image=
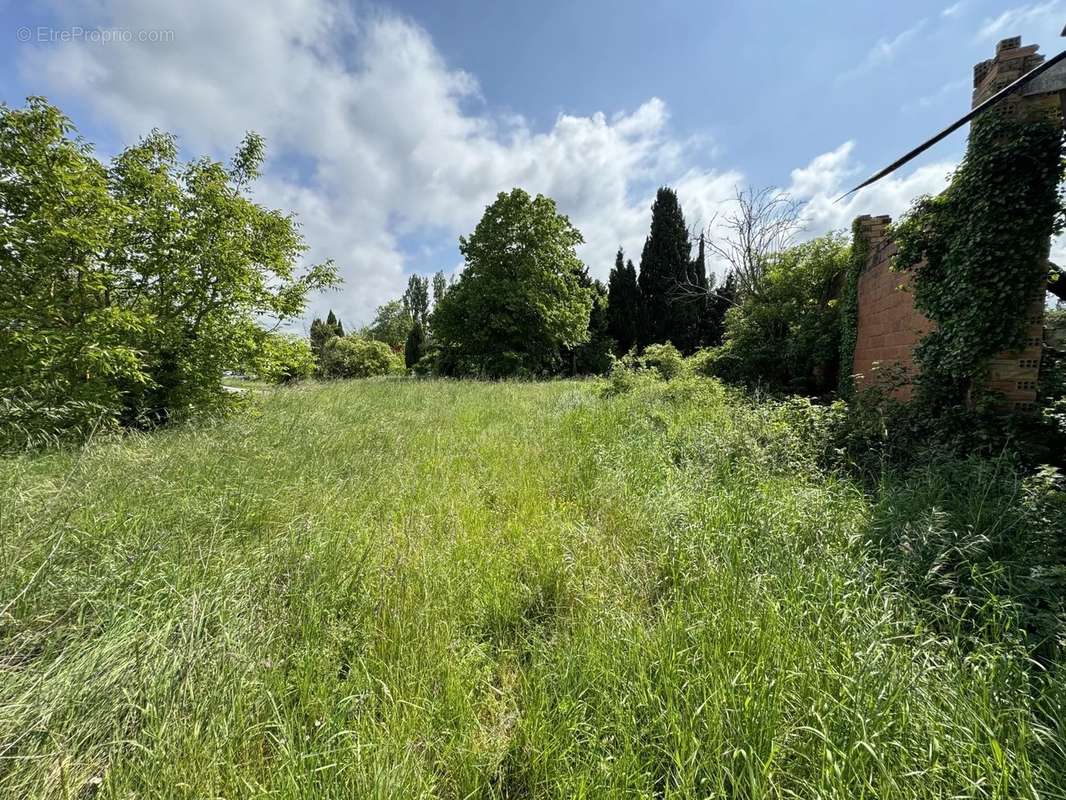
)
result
[(1014, 373), (874, 231)]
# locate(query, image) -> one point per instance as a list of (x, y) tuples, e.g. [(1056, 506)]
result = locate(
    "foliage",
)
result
[(282, 358), (787, 337), (416, 299), (979, 249), (664, 359), (623, 304), (665, 293), (440, 286), (392, 323), (520, 298), (355, 357), (323, 331), (65, 346), (849, 307), (719, 300), (415, 346), (126, 291), (593, 356)]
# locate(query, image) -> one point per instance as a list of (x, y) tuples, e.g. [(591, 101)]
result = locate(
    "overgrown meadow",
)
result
[(398, 588)]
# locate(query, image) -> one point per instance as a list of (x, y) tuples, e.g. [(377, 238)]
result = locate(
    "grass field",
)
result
[(404, 589)]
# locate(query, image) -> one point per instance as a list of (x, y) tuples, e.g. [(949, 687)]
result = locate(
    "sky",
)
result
[(390, 126)]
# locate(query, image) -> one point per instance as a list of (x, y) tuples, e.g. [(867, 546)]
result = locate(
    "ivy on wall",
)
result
[(978, 250), (849, 307)]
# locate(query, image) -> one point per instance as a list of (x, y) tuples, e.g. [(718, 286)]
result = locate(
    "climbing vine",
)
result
[(978, 250), (849, 306)]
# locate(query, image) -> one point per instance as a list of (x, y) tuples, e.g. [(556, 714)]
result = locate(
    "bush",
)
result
[(283, 358), (703, 362), (354, 357), (664, 359)]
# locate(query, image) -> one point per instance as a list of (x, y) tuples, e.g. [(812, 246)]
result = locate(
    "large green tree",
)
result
[(126, 291), (623, 304), (520, 299), (392, 322), (665, 271)]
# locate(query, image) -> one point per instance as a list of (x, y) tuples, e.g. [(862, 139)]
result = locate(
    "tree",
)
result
[(391, 325), (416, 299), (664, 273), (415, 346), (691, 310), (623, 305), (323, 331), (334, 324), (130, 289), (722, 298), (206, 263), (765, 222), (64, 346), (440, 286), (787, 337), (593, 356), (520, 298)]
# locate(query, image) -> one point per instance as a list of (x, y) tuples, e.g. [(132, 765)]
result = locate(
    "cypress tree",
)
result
[(415, 345), (334, 324), (623, 305), (321, 333), (692, 307), (721, 300), (592, 357), (664, 274)]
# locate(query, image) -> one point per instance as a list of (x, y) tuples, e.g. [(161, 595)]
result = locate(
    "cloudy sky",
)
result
[(390, 126)]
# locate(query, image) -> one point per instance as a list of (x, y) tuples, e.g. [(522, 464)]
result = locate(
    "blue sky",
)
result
[(391, 126)]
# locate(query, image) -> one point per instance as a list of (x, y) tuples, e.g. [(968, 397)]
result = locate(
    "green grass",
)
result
[(441, 589)]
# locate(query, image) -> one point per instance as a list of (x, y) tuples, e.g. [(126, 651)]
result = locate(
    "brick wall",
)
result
[(888, 326)]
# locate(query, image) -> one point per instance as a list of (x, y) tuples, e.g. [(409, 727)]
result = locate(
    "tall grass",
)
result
[(440, 589)]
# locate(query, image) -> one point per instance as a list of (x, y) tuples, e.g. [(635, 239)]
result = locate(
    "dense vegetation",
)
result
[(1004, 201), (647, 585), (454, 589), (127, 290)]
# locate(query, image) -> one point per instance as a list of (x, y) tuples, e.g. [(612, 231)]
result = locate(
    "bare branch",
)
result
[(764, 222)]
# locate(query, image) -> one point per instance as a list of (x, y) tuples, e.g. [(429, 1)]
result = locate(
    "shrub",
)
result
[(703, 362), (354, 357), (664, 359), (283, 358)]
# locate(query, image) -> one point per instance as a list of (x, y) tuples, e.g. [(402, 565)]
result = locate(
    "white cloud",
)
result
[(370, 132), (1012, 18), (953, 9), (885, 50), (828, 176), (374, 138)]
